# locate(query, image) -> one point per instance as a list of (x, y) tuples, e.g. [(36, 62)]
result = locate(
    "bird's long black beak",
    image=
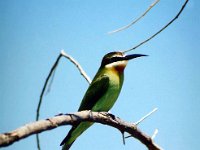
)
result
[(132, 56)]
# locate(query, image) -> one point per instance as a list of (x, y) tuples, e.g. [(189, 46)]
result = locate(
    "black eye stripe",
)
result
[(114, 59), (111, 60)]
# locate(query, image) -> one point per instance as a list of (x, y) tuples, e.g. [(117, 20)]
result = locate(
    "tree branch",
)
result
[(163, 28), (136, 20), (69, 119)]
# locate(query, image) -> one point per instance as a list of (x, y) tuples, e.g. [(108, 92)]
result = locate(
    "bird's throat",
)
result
[(120, 68)]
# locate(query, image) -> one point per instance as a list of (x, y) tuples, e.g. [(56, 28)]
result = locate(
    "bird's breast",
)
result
[(109, 98)]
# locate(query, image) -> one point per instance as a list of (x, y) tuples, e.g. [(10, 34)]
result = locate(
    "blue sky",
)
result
[(32, 33)]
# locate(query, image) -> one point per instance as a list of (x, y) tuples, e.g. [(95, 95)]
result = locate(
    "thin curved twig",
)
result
[(42, 94), (163, 28), (136, 20)]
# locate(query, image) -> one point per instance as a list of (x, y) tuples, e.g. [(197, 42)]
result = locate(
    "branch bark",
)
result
[(70, 119)]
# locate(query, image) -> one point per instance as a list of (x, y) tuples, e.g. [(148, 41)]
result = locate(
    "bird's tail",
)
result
[(66, 141), (67, 146), (73, 134)]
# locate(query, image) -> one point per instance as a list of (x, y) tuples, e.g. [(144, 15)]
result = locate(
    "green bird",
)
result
[(102, 92)]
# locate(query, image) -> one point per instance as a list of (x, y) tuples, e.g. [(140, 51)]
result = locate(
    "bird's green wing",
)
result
[(94, 92)]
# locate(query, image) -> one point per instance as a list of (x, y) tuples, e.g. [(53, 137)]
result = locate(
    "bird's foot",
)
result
[(90, 114), (60, 114), (107, 114), (53, 123)]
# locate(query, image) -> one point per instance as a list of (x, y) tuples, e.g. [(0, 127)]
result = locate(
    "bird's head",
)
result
[(117, 60)]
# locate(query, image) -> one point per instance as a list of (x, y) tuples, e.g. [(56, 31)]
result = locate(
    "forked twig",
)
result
[(136, 20), (163, 28), (50, 75), (143, 118)]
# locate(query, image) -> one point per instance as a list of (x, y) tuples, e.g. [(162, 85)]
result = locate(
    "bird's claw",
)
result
[(107, 114)]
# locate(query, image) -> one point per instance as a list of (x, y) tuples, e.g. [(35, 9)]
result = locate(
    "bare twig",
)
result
[(82, 72), (147, 115), (123, 138), (136, 20), (69, 119), (45, 84), (50, 82), (163, 28), (154, 134)]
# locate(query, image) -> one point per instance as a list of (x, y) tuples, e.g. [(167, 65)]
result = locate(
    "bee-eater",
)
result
[(102, 92)]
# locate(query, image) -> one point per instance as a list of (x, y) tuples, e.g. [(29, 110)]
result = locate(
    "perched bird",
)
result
[(102, 92)]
